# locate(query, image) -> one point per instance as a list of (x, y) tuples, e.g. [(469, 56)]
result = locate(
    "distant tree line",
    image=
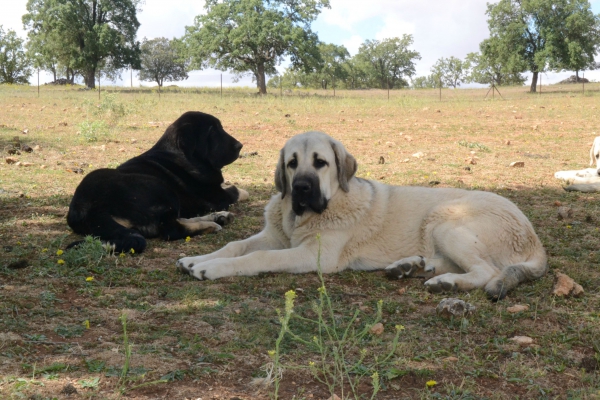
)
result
[(89, 39)]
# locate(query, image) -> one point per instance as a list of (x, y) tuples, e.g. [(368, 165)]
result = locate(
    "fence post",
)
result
[(281, 86), (99, 74), (583, 83), (221, 85), (38, 82), (388, 86)]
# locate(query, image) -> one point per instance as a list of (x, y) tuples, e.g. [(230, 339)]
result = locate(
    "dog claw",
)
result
[(198, 275)]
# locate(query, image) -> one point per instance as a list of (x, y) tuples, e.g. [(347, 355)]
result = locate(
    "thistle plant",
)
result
[(337, 364)]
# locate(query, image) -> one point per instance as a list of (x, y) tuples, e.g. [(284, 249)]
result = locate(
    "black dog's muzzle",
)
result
[(306, 193)]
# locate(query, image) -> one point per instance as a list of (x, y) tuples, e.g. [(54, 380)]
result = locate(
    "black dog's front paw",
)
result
[(223, 218)]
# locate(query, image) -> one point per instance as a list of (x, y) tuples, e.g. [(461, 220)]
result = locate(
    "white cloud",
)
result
[(441, 28), (353, 43), (394, 28), (168, 19)]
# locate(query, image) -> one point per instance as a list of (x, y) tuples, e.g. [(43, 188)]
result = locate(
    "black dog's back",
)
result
[(179, 177)]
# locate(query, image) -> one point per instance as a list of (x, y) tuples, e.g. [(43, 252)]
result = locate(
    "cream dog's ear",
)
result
[(280, 177), (345, 164)]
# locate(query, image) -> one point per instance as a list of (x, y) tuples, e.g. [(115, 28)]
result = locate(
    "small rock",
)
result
[(26, 148), (390, 144), (518, 117), (471, 160), (25, 131), (507, 143), (566, 286), (517, 308), (517, 164), (522, 340), (450, 307), (13, 152), (68, 389), (565, 212), (377, 329), (63, 123), (381, 160), (43, 166), (12, 160), (26, 164), (36, 148), (334, 397), (133, 141), (360, 121), (425, 108), (237, 311), (418, 154), (402, 290)]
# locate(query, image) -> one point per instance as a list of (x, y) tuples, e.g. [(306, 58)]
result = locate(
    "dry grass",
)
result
[(209, 339)]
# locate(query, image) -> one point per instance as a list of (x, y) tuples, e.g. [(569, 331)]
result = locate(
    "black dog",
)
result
[(161, 192)]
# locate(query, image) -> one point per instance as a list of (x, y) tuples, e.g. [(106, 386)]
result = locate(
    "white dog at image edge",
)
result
[(460, 239)]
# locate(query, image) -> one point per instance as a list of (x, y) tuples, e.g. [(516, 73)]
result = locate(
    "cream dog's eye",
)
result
[(293, 163), (320, 163)]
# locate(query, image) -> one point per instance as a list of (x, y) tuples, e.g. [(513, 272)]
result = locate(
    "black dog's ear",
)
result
[(345, 163), (280, 177)]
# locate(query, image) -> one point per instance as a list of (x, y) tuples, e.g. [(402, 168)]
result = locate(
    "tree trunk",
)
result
[(534, 80), (89, 78), (576, 76), (260, 79)]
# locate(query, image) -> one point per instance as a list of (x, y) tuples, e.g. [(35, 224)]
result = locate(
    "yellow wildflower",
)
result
[(122, 255), (59, 252), (44, 250), (86, 323), (431, 383), (132, 251), (61, 262), (399, 327), (89, 279), (187, 239)]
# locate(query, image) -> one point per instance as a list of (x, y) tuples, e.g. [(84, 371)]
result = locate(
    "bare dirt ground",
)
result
[(61, 312)]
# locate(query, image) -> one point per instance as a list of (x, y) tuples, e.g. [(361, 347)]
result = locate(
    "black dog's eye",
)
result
[(320, 163), (293, 163)]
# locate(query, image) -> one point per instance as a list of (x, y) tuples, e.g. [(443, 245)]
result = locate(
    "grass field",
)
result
[(62, 314)]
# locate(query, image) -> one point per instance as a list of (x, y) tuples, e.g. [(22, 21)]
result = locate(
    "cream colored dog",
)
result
[(460, 239)]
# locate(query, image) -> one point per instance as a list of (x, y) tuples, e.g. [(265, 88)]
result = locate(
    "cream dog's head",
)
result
[(313, 166)]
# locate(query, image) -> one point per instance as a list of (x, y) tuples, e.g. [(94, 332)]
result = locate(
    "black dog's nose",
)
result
[(238, 146), (302, 187)]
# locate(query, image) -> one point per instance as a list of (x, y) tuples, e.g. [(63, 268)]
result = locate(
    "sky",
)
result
[(440, 28)]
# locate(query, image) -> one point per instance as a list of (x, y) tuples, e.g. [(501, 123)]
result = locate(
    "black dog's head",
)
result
[(202, 139)]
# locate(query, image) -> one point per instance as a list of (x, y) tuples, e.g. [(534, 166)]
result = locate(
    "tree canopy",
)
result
[(388, 62), (488, 67), (89, 34), (15, 65), (162, 60), (450, 71), (532, 35), (253, 36)]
